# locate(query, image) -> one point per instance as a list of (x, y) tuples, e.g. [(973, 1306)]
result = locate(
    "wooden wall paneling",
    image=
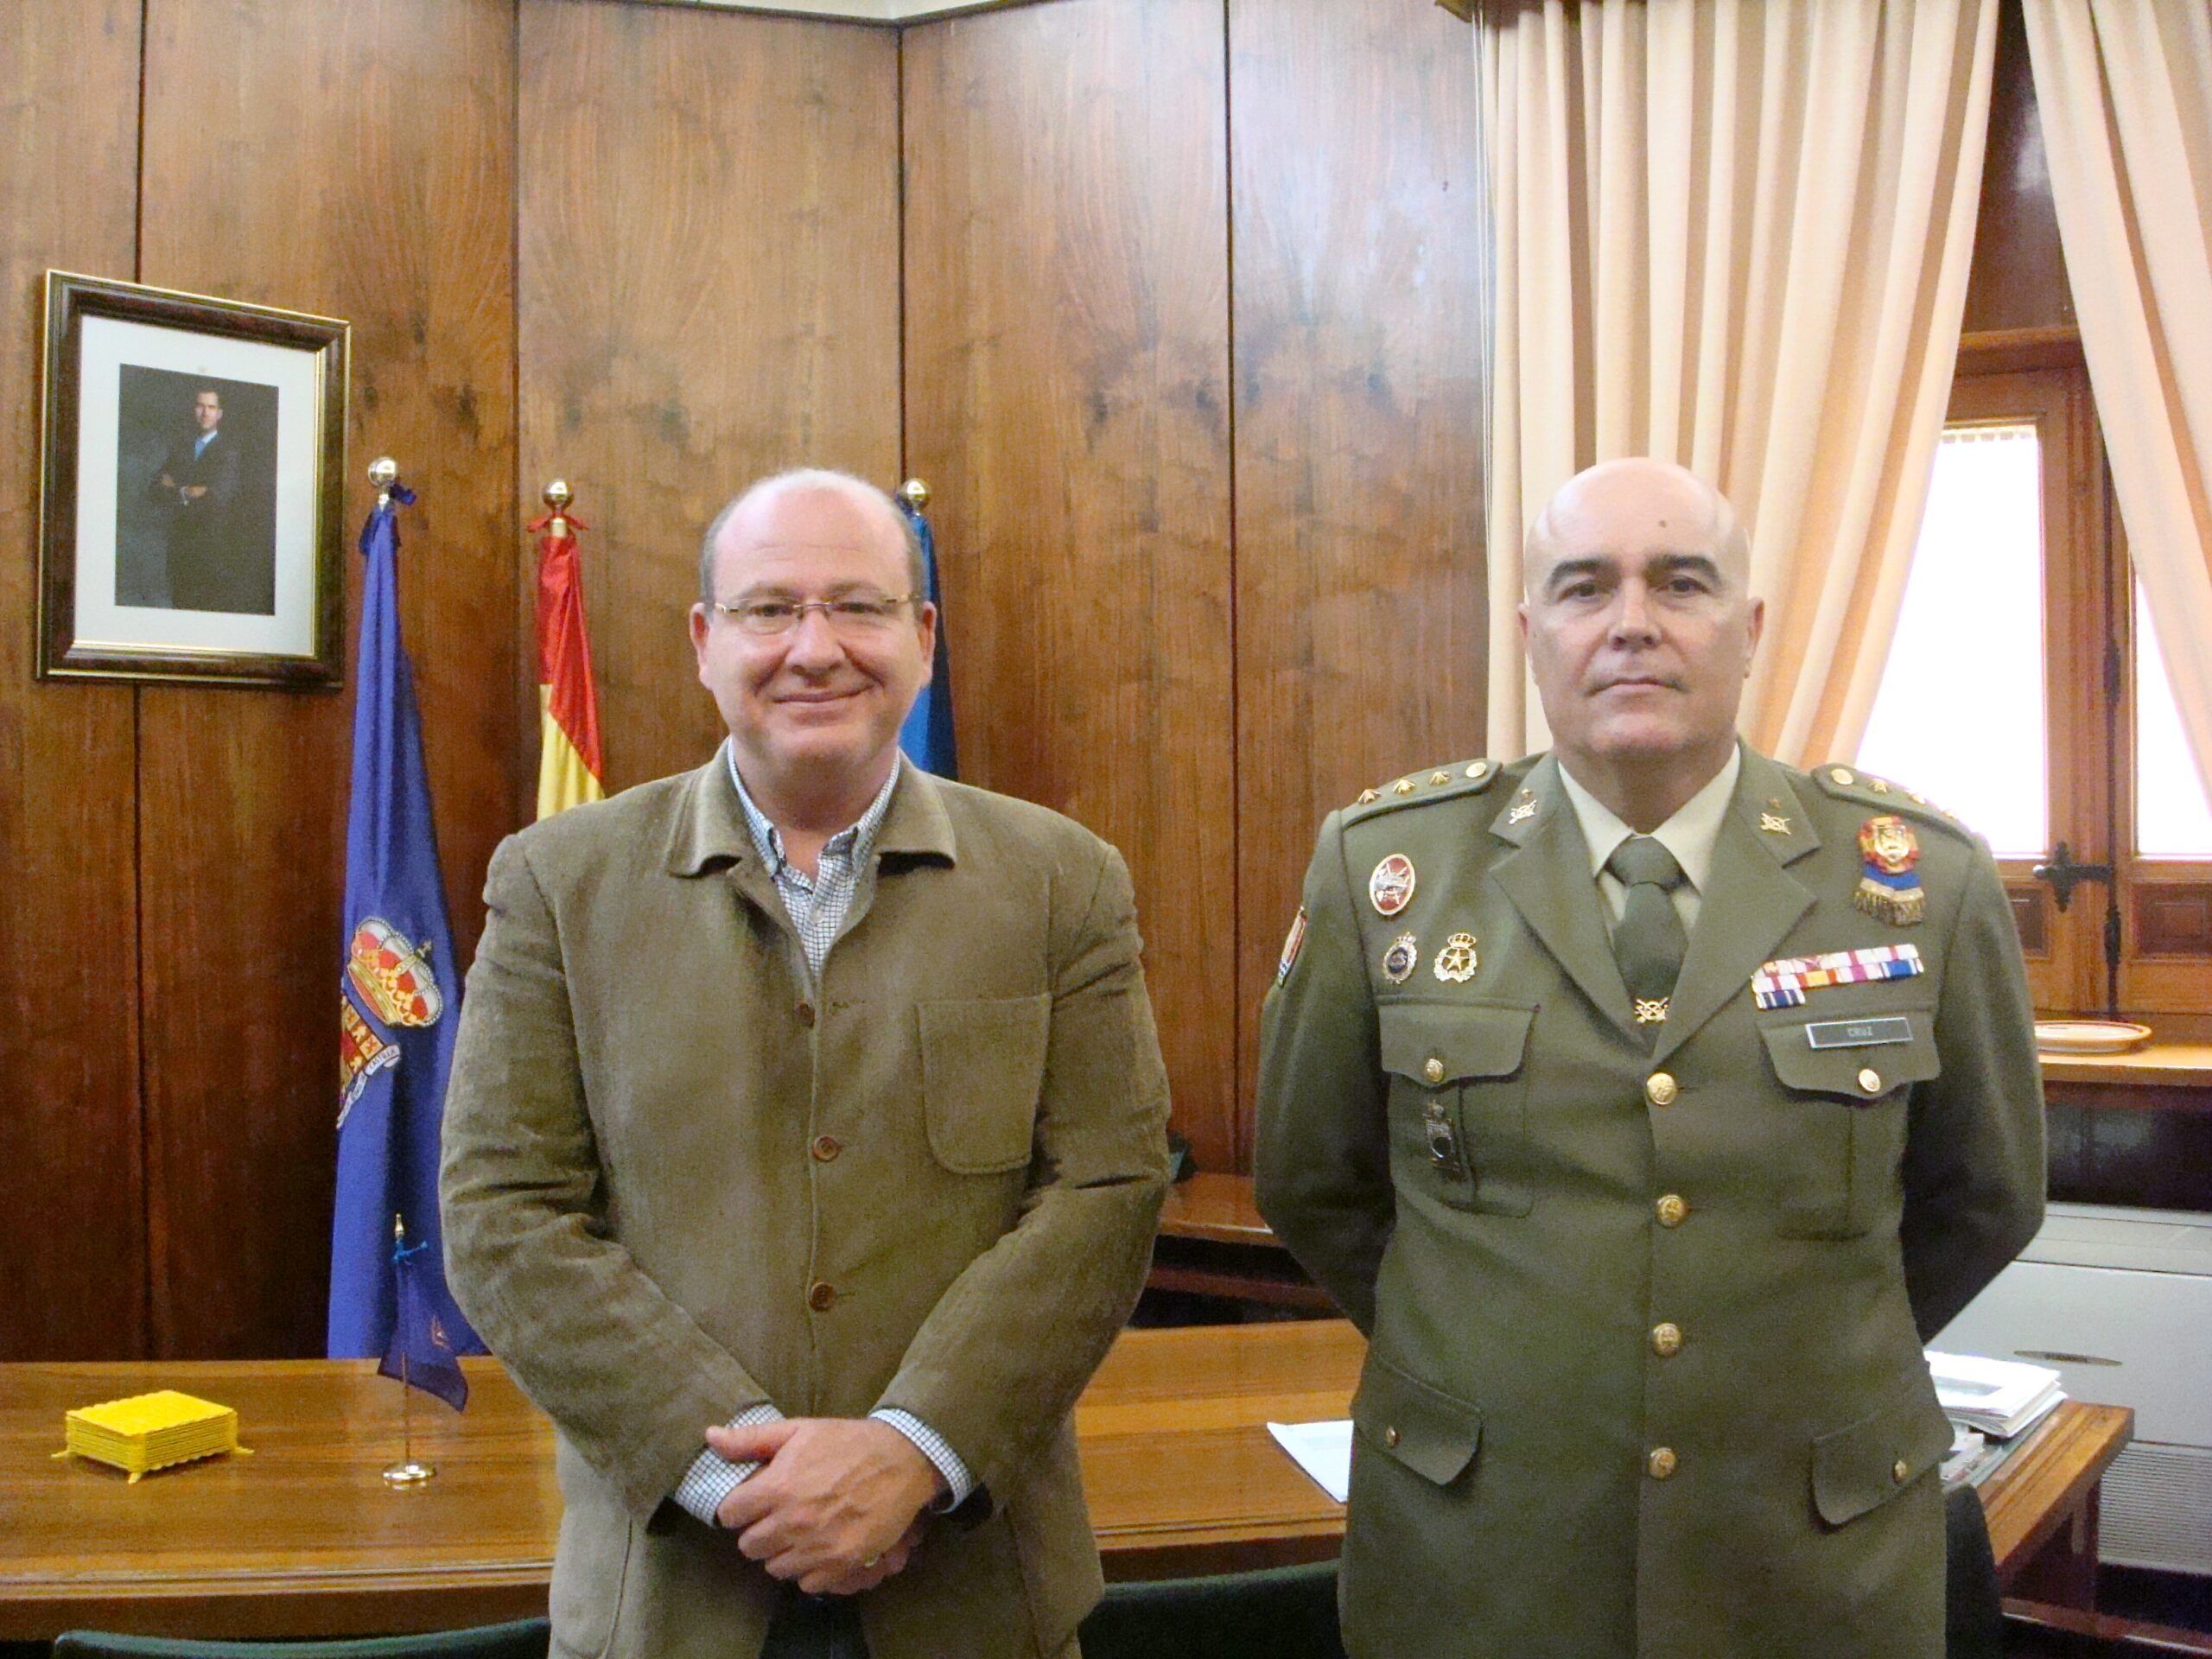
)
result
[(1360, 608), (2018, 278), (1067, 401), (72, 1227), (353, 157), (709, 291)]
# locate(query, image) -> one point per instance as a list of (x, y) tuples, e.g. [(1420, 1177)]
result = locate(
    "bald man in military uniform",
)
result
[(1648, 1104)]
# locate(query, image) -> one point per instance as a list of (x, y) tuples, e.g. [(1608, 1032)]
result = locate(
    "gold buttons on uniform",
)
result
[(1433, 1071), (1667, 1339), (1842, 776), (825, 1147), (822, 1297), (1870, 1080), (1672, 1209), (1477, 768), (1661, 1463), (1660, 1089), (1899, 1470), (1390, 1435)]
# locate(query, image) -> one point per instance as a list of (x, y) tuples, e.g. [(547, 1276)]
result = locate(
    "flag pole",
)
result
[(407, 1472)]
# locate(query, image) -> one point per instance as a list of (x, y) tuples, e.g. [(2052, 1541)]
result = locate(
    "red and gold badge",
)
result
[(1390, 888), (1888, 890)]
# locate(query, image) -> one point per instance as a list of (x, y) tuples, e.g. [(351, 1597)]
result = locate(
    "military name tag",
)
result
[(1860, 1034)]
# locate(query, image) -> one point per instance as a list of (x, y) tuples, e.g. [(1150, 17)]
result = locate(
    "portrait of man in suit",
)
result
[(197, 534)]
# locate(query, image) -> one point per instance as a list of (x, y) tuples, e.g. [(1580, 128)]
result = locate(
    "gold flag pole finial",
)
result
[(915, 494), (407, 1472), (556, 497), (384, 473)]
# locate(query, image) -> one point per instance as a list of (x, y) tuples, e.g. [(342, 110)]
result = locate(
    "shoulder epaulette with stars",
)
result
[(1849, 784), (1417, 788)]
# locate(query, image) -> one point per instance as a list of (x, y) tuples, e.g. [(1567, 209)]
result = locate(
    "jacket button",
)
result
[(1433, 1071), (1660, 1089), (822, 1296), (1667, 1339), (825, 1147), (1672, 1209), (1899, 1470), (1390, 1435), (806, 1013), (1870, 1080), (1662, 1462)]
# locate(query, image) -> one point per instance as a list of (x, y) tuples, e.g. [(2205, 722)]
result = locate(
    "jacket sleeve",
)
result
[(1974, 1170), (1322, 1168), (998, 1365), (625, 1372)]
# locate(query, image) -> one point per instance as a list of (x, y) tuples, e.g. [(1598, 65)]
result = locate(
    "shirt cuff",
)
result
[(712, 1477), (934, 1447)]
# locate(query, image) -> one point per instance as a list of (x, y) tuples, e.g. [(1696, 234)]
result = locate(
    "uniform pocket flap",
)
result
[(1857, 1468), (1430, 1432), (1858, 1073), (1444, 1042), (983, 1065)]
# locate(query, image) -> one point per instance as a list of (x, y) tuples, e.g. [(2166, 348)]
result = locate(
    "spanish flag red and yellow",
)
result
[(570, 767)]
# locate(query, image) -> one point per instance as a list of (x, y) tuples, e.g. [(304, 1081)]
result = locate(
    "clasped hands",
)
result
[(836, 1504)]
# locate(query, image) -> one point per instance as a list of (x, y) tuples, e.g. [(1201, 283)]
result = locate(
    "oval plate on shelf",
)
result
[(2089, 1036)]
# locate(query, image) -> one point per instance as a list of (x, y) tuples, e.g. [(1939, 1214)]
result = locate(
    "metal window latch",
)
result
[(2064, 874)]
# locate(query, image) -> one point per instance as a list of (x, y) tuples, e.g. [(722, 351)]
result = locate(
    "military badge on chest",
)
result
[(1400, 960), (1888, 890), (1390, 887)]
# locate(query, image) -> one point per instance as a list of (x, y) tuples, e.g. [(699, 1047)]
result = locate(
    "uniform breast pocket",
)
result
[(1459, 1100), (983, 1066), (1841, 1142)]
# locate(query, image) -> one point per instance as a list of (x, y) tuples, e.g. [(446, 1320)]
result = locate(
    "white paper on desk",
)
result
[(1322, 1450)]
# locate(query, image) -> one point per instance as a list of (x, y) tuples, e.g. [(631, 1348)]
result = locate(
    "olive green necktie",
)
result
[(1649, 940)]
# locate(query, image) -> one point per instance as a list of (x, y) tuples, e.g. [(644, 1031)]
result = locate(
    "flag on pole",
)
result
[(398, 990), (422, 1353), (926, 736), (569, 769)]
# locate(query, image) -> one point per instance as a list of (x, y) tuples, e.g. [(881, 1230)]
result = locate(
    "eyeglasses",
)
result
[(855, 616)]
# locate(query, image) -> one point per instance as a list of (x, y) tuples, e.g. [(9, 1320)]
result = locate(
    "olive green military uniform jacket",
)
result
[(677, 1184), (1645, 1371)]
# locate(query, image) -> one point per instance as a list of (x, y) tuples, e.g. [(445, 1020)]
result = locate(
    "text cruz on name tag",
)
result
[(1860, 1034)]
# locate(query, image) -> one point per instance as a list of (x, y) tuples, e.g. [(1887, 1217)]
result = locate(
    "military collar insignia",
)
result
[(1783, 983)]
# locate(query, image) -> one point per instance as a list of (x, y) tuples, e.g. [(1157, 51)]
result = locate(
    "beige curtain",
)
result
[(1734, 234), (2124, 90)]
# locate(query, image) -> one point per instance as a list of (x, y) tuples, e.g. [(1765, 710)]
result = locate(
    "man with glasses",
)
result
[(1649, 1104), (804, 1145)]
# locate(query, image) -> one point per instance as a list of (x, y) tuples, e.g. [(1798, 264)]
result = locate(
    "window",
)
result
[(2026, 692)]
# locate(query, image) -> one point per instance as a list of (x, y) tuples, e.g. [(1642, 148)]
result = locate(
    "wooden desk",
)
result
[(303, 1539)]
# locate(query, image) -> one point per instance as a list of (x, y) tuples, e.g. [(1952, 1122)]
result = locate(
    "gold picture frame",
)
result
[(192, 489)]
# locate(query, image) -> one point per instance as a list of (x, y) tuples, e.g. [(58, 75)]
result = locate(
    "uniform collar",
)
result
[(1689, 835)]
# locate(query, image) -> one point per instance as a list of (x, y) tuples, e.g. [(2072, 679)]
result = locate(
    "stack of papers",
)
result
[(1322, 1450), (152, 1431), (2000, 1397)]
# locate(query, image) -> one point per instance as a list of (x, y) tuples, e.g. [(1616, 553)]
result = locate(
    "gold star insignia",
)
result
[(1368, 797), (1651, 1010), (1404, 786), (1439, 777)]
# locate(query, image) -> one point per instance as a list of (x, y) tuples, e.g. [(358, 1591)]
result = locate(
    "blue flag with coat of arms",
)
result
[(398, 1000)]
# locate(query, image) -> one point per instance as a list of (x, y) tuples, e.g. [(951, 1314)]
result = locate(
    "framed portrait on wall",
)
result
[(192, 489)]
